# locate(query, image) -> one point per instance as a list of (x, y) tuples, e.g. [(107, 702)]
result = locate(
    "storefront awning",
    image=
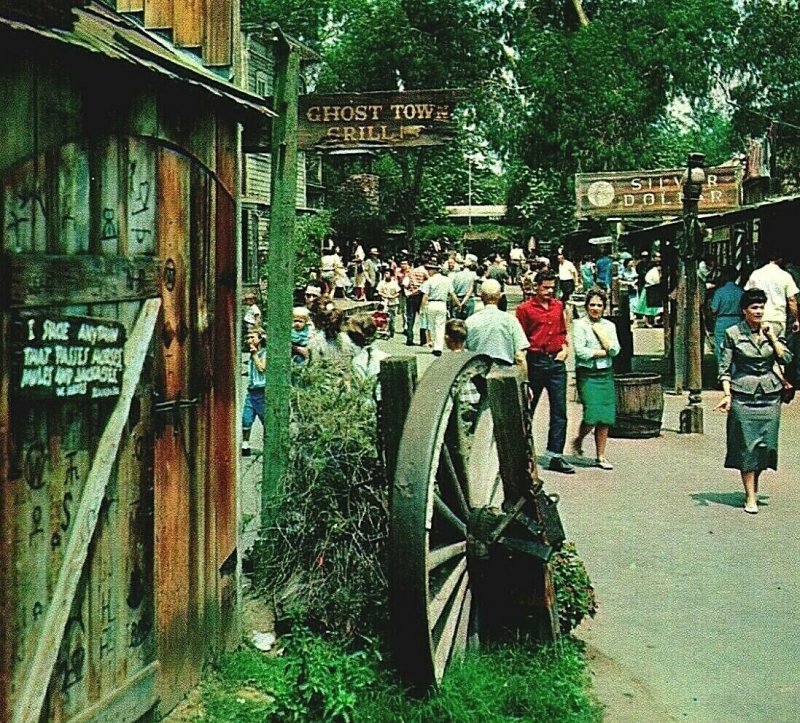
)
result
[(669, 229)]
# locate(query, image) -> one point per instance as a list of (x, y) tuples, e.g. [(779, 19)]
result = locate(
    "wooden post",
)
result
[(691, 418), (622, 323), (679, 338), (398, 382), (280, 275), (518, 470), (514, 449)]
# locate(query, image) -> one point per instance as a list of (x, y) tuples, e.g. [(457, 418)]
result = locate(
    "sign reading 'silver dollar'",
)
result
[(377, 120), (653, 193)]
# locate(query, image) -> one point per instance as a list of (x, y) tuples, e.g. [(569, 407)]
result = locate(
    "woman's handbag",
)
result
[(788, 392)]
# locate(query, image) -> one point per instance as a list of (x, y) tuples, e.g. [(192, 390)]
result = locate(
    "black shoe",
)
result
[(436, 352), (409, 343), (245, 451), (559, 464)]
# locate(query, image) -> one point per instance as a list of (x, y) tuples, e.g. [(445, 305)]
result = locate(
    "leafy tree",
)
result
[(763, 79), (590, 98), (304, 19)]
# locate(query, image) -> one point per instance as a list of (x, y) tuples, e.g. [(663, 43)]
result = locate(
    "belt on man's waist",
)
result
[(548, 354)]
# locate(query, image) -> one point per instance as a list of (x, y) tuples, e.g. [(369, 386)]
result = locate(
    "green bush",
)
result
[(323, 559), (574, 590), (317, 678)]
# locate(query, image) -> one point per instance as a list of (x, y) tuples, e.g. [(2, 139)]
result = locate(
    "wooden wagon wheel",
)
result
[(462, 515)]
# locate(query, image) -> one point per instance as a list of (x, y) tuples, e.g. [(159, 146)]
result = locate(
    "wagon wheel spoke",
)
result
[(465, 626), (448, 515), (457, 485), (447, 639), (497, 488), (440, 555), (442, 598)]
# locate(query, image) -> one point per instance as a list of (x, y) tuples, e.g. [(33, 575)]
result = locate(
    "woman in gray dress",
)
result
[(752, 394)]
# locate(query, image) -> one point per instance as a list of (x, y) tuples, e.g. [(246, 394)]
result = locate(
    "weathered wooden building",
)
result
[(256, 75), (119, 188)]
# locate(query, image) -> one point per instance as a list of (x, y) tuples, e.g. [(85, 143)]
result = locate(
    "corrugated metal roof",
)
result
[(100, 30)]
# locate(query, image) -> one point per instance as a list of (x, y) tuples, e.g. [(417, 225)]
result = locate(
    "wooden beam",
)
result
[(218, 33), (55, 280), (130, 6), (158, 14), (280, 273), (130, 701), (29, 705), (398, 382), (510, 431)]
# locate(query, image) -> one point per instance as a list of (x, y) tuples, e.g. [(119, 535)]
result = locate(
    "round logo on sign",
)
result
[(600, 193)]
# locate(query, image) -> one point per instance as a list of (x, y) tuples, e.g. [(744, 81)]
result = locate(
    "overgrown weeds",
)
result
[(322, 560), (319, 679)]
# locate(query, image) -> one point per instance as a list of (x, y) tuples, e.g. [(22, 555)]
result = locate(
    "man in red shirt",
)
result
[(542, 318)]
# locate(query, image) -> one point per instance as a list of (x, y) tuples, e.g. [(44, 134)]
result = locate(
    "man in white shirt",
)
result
[(567, 278), (781, 291), (436, 291), (516, 258)]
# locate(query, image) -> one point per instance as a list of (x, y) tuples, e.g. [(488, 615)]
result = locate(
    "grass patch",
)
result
[(320, 680)]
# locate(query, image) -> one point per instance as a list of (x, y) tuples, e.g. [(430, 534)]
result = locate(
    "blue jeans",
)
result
[(544, 372), (253, 407)]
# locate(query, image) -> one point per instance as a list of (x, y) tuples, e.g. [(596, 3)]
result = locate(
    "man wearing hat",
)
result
[(436, 291), (312, 293), (464, 288)]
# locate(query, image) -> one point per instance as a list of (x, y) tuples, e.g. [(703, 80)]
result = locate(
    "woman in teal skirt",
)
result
[(596, 343)]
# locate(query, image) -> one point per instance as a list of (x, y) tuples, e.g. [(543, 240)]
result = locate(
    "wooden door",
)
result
[(77, 493), (117, 584)]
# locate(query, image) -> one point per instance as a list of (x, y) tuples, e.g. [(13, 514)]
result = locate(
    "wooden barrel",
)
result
[(640, 406)]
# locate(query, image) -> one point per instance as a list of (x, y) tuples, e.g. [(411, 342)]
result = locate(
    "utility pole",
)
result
[(280, 274), (691, 417)]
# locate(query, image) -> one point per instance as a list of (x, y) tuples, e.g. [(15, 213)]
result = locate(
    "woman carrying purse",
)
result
[(753, 389)]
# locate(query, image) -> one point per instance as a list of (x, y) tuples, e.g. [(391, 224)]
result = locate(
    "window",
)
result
[(262, 84)]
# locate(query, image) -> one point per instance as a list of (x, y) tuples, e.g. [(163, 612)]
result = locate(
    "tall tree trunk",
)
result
[(582, 18), (411, 187)]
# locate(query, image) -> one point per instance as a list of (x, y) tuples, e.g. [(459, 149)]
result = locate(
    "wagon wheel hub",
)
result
[(491, 529)]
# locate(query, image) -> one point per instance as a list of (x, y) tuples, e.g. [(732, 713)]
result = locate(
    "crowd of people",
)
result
[(431, 300)]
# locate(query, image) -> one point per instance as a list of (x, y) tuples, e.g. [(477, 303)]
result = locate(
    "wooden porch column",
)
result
[(280, 275)]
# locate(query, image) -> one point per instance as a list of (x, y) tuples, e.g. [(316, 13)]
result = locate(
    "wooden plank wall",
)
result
[(224, 476), (205, 25), (172, 496), (174, 483)]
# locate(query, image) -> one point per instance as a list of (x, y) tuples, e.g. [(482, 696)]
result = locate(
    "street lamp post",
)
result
[(691, 418)]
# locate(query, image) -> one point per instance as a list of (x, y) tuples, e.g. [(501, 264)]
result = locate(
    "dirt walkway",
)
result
[(697, 599)]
